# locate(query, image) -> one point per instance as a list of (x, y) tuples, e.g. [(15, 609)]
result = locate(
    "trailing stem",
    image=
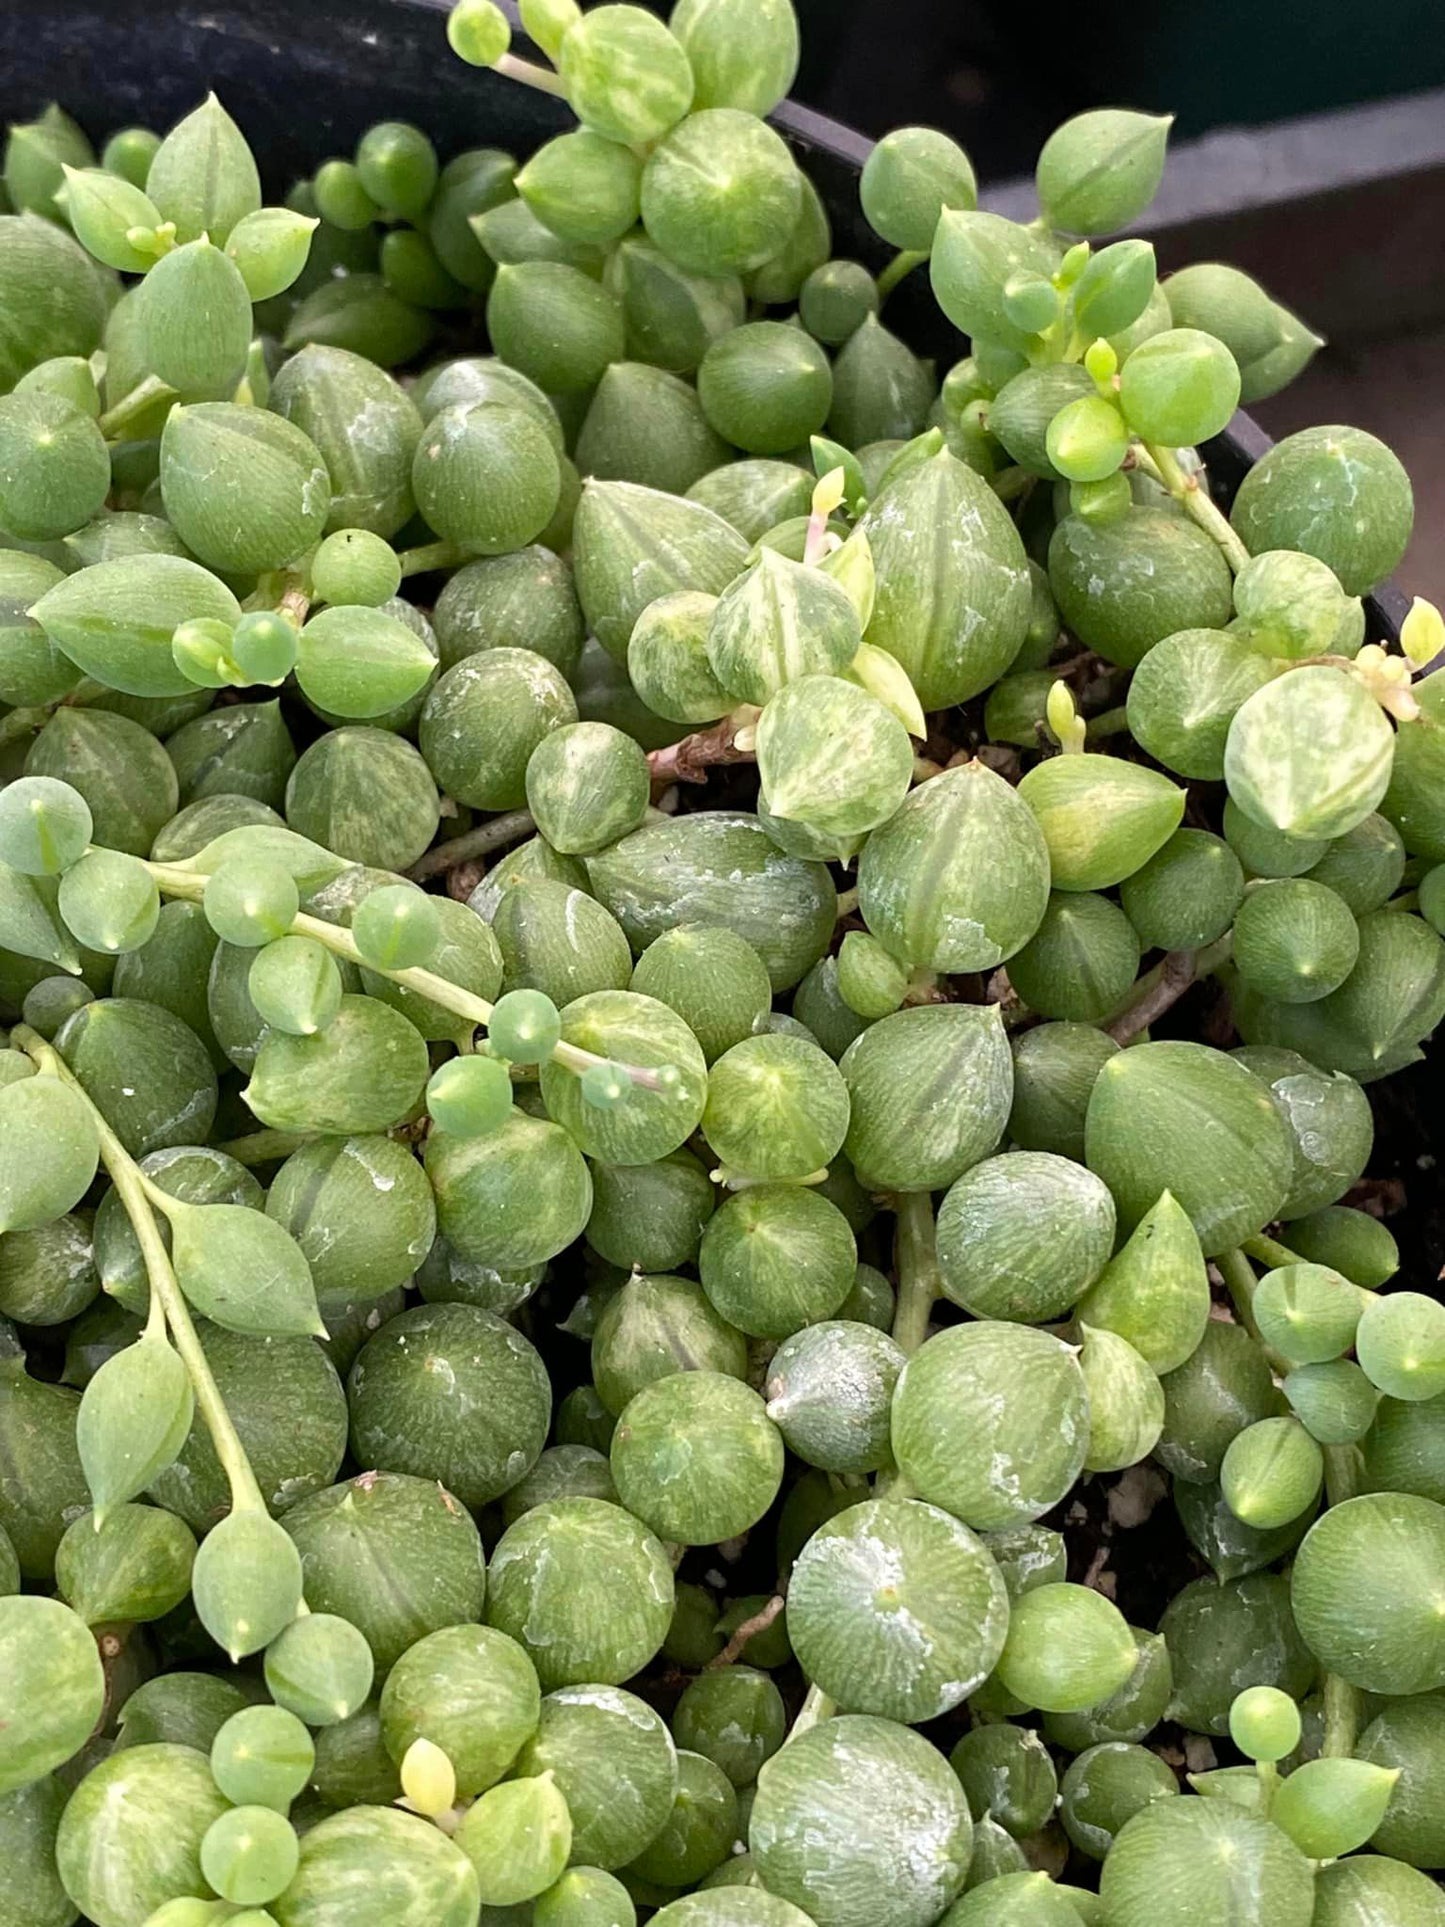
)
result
[(688, 761), (132, 1190), (918, 1287), (1162, 987), (1343, 1705), (902, 264), (918, 1280), (481, 841), (1191, 492), (749, 1629), (191, 885)]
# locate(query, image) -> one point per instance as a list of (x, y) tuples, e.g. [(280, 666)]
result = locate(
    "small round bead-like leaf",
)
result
[(413, 1531), (614, 1760), (1331, 1807), (473, 1691), (394, 1869), (1126, 1401), (517, 1837), (1362, 1592), (944, 1636), (242, 1270), (1023, 1236), (52, 1671), (696, 1457), (363, 1072), (320, 1669), (1400, 1344), (1067, 1649), (130, 1839), (1143, 1136), (134, 1418), (203, 176), (48, 1151), (246, 1583), (1003, 1463), (586, 1589), (988, 863), (1309, 753), (829, 1390), (832, 1811), (1271, 1473), (1102, 818), (1100, 170), (1336, 493), (54, 471), (777, 1257), (720, 193)]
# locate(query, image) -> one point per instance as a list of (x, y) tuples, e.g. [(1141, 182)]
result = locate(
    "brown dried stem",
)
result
[(495, 835), (1162, 987), (690, 760), (759, 1623)]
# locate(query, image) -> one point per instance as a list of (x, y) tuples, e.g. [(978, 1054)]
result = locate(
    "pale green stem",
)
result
[(1192, 495), (1241, 1283), (132, 1189), (264, 1147), (1343, 1705), (1268, 1784), (530, 75), (903, 263), (1269, 1251), (481, 841), (815, 1708), (114, 420), (435, 555), (190, 885), (918, 1280), (1109, 722), (847, 903)]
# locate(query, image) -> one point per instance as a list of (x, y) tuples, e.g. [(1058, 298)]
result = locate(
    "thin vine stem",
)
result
[(1269, 1251), (918, 1287), (264, 1147), (434, 555), (816, 1708), (1161, 988), (481, 841), (1343, 1704), (125, 411), (902, 265), (1192, 495), (132, 1190), (191, 886), (918, 1279), (531, 75)]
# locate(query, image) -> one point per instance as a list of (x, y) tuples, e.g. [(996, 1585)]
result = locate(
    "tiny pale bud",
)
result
[(428, 1779), (1072, 265), (829, 492), (1422, 633), (1063, 719), (1102, 364)]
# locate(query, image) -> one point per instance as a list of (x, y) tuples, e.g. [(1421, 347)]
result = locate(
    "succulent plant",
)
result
[(673, 949)]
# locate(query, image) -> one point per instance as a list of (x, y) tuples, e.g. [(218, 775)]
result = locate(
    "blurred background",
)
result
[(1309, 148)]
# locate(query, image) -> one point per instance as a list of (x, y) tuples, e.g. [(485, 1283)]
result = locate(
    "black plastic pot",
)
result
[(305, 79)]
